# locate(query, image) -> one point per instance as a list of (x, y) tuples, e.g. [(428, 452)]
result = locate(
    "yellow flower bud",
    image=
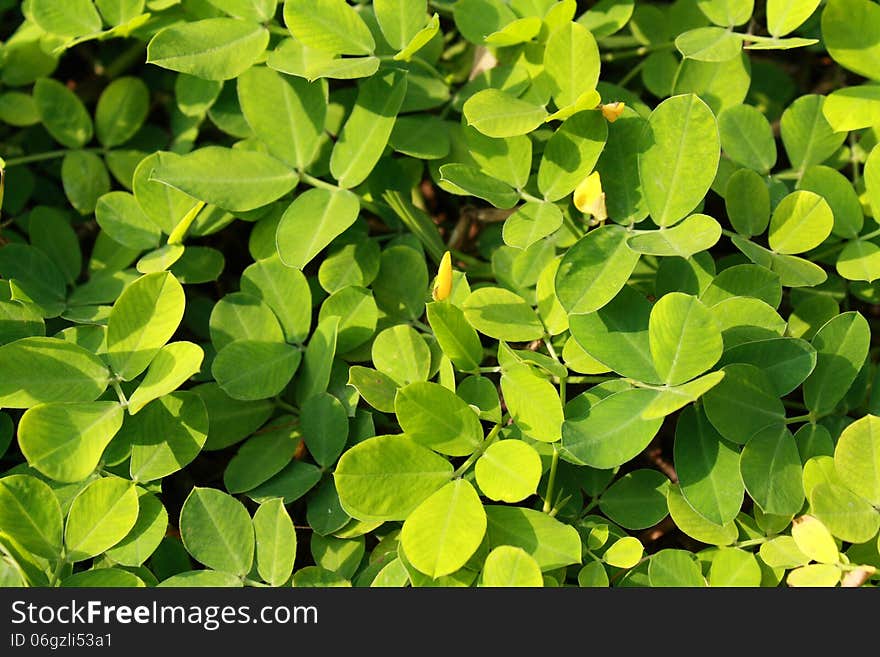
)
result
[(612, 111), (589, 198), (443, 282)]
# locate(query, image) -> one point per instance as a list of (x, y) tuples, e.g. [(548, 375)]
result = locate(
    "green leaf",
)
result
[(625, 552), (458, 340), (857, 458), (707, 468), (166, 435), (65, 441), (709, 44), (842, 346), (377, 389), (62, 113), (286, 292), (119, 215), (670, 399), (70, 19), (318, 360), (508, 471), (734, 567), (814, 575), (202, 578), (366, 132), (213, 48), (230, 420), (400, 20), (743, 403), (675, 568), (571, 62), (442, 533), (253, 10), (848, 29), (143, 539), (612, 432), (838, 192), (510, 566), (466, 180), (231, 178), (747, 200), (433, 416), (173, 365), (496, 113), (387, 477), (571, 153), (678, 157), (696, 233), (637, 500), (859, 261), (747, 138), (400, 287), (287, 114), (846, 515), (772, 473), (800, 222), (784, 16), (217, 531), (502, 314), (164, 205), (695, 525), (782, 552), (275, 542), (806, 134), (476, 19), (549, 542), (684, 338), (595, 269), (787, 362), (329, 25), (853, 108), (51, 232), (100, 517), (358, 315), (530, 223), (38, 370), (325, 427), (85, 180), (293, 58), (522, 30), (36, 277), (31, 515), (420, 39), (424, 137), (242, 316), (340, 556), (616, 335), (252, 369), (143, 319), (533, 403), (402, 354), (121, 110), (264, 455), (814, 539)]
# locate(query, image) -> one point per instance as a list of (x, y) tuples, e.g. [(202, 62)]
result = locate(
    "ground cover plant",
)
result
[(408, 293)]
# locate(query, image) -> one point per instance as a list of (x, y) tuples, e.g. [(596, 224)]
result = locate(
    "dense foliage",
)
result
[(234, 352)]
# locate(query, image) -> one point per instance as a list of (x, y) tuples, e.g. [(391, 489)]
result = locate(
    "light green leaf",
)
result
[(386, 477), (846, 515), (400, 20), (853, 108), (533, 403), (458, 340), (119, 215), (787, 362), (734, 567), (330, 25), (675, 568), (771, 470), (293, 58), (285, 290), (442, 533), (508, 471), (709, 44), (857, 458), (625, 552), (100, 517), (637, 500), (806, 134), (65, 441), (496, 113), (848, 30), (401, 353), (38, 370), (467, 180), (242, 316), (551, 543), (376, 388), (696, 233), (252, 369), (747, 138), (174, 364), (859, 261), (121, 110), (842, 345), (838, 192), (530, 223), (317, 363), (502, 314), (143, 319), (678, 157), (595, 269), (85, 180), (264, 455), (814, 539), (62, 113), (435, 417), (814, 575), (231, 178), (571, 62), (31, 515), (164, 205), (166, 435), (287, 114), (684, 338), (148, 531), (800, 222), (71, 18), (213, 48), (275, 542), (510, 566), (571, 153), (743, 403), (671, 399), (366, 132), (217, 531), (612, 432), (695, 525)]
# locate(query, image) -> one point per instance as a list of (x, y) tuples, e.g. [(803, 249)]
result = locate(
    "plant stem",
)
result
[(871, 235), (424, 328), (633, 72), (123, 400), (636, 52), (317, 182), (40, 157), (283, 405), (525, 196), (573, 227), (464, 467), (551, 480), (56, 572), (752, 542), (800, 418), (599, 378)]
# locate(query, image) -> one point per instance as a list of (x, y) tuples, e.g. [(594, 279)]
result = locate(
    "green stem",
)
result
[(573, 227), (56, 572), (250, 582), (424, 328), (551, 480), (599, 378), (636, 52), (633, 72), (752, 542), (800, 418), (525, 196), (464, 467), (123, 400), (48, 155), (551, 350), (283, 405), (871, 235), (317, 182)]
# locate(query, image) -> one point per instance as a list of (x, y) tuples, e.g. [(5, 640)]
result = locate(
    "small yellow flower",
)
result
[(612, 111), (589, 197), (443, 282)]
